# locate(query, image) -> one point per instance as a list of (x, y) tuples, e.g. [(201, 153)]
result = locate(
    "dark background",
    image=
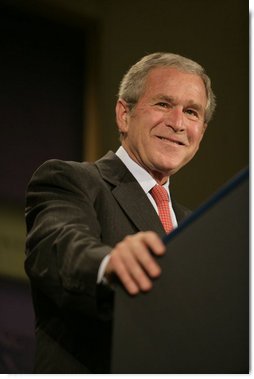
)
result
[(61, 63), (55, 53)]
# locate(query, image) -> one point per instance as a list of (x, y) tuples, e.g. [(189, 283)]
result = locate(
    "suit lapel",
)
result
[(129, 194), (180, 211), (137, 206)]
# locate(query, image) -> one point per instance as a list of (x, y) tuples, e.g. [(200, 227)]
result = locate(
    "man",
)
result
[(88, 223)]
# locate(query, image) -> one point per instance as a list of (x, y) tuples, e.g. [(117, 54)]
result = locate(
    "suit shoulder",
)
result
[(55, 172), (57, 166)]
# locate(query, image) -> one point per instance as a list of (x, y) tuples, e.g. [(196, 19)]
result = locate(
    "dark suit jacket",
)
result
[(75, 214)]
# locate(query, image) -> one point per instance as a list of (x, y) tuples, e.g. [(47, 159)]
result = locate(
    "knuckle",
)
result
[(128, 238)]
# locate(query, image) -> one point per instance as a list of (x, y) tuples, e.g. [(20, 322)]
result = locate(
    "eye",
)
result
[(192, 113), (162, 104)]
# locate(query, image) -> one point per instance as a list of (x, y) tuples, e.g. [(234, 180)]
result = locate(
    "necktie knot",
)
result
[(161, 199)]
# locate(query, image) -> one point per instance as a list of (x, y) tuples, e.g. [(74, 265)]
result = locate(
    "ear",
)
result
[(122, 115)]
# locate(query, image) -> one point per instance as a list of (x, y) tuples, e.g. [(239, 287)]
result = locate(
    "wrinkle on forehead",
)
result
[(162, 80)]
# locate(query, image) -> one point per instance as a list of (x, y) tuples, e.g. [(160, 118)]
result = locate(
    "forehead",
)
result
[(172, 82)]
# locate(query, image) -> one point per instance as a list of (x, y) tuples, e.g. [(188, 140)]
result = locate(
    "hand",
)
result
[(132, 262)]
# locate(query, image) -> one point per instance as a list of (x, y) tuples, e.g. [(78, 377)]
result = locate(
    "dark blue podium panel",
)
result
[(196, 318)]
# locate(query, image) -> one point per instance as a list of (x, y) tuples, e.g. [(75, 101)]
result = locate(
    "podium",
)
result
[(196, 317)]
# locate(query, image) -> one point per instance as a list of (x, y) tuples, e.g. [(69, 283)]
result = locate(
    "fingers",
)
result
[(131, 260)]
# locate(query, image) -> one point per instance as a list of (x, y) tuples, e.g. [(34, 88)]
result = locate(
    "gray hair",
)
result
[(133, 83)]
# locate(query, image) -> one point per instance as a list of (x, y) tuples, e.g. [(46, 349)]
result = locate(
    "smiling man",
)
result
[(90, 222), (161, 130), (164, 130)]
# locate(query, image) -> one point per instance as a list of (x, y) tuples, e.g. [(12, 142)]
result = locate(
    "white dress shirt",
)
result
[(147, 182)]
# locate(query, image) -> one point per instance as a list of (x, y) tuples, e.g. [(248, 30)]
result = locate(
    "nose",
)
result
[(175, 119)]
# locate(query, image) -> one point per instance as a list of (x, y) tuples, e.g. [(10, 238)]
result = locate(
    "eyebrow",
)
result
[(170, 99)]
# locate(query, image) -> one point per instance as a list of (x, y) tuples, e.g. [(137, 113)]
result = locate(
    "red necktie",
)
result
[(161, 198)]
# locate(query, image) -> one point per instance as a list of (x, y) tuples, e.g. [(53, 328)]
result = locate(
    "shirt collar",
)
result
[(146, 181)]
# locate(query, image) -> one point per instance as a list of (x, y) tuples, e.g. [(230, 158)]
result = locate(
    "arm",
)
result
[(63, 247)]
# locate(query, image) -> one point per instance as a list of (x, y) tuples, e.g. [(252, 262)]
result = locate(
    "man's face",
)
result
[(163, 132)]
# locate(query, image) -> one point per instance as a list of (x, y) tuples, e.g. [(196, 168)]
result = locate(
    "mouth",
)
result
[(171, 141)]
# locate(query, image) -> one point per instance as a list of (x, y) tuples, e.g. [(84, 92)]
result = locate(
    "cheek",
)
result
[(135, 133), (196, 135), (138, 130)]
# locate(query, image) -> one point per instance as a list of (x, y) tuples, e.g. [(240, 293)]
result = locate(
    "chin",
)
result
[(165, 170), (169, 167)]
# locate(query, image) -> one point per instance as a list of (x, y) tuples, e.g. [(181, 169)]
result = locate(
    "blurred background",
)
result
[(60, 66)]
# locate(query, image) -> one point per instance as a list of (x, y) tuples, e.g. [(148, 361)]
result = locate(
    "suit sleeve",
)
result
[(63, 245)]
